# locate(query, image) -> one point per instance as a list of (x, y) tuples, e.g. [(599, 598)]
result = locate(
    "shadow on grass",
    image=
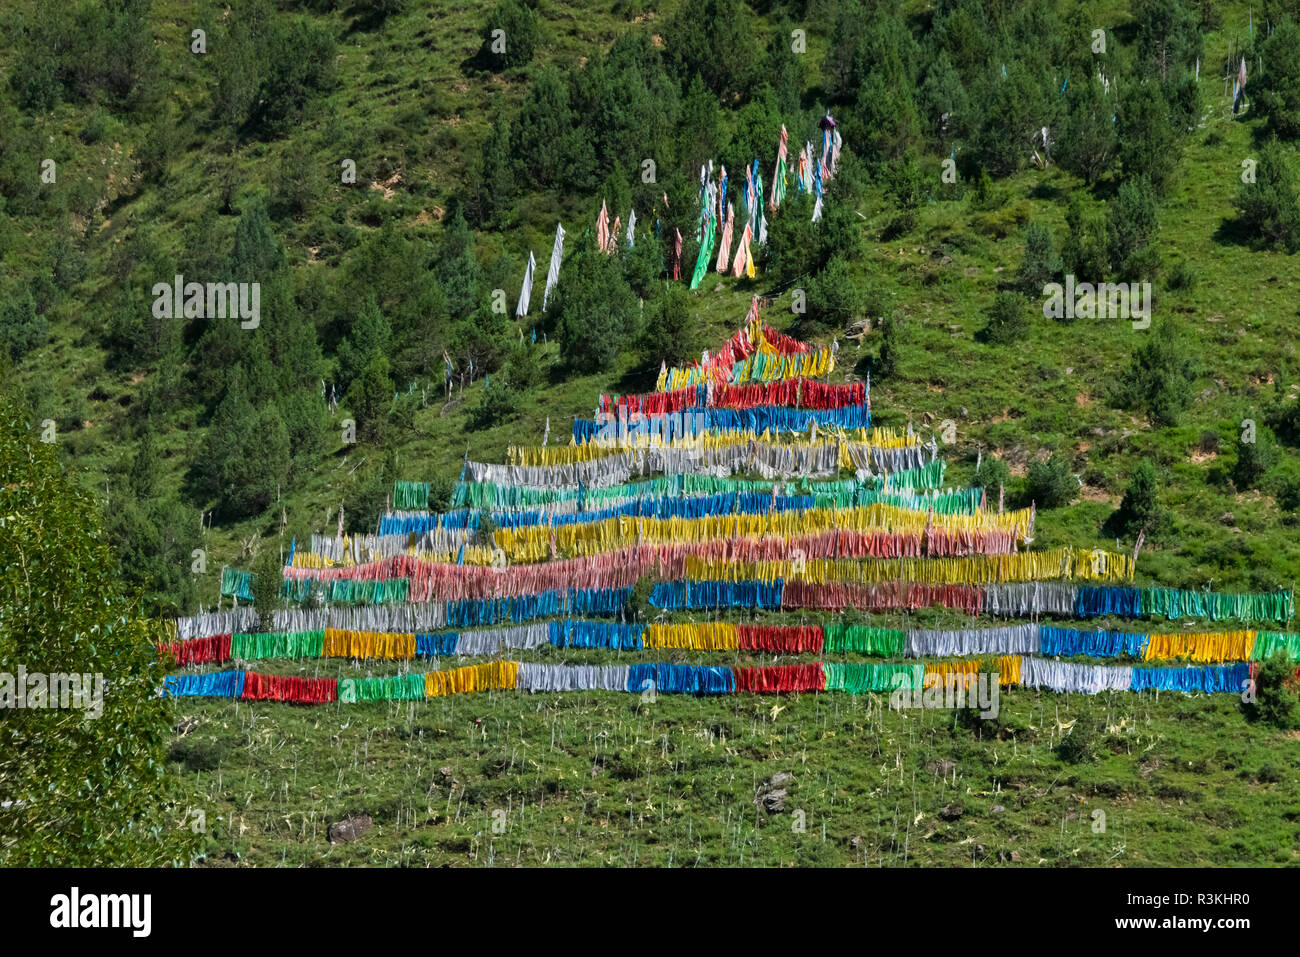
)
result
[(1234, 231), (367, 17)]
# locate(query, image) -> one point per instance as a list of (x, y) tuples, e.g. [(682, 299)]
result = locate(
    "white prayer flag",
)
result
[(526, 293), (553, 274)]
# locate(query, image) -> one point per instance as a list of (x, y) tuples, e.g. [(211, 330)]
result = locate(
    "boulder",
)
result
[(349, 829)]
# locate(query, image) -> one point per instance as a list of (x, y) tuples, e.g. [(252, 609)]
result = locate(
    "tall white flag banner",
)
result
[(526, 293), (553, 274)]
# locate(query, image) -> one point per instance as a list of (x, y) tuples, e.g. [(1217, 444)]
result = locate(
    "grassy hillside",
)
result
[(602, 779), (406, 105), (160, 180)]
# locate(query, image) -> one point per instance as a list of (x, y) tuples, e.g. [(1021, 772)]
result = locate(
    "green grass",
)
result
[(601, 778), (1181, 780)]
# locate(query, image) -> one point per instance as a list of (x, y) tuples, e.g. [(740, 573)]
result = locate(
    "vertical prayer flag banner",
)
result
[(526, 291), (777, 196), (742, 264), (724, 247), (602, 228), (553, 273), (706, 253)]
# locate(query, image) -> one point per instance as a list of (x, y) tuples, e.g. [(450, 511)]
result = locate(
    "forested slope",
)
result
[(232, 164)]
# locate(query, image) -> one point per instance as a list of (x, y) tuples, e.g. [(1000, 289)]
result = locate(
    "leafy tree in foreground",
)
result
[(81, 791)]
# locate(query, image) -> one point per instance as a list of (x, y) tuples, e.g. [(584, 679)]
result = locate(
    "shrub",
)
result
[(1041, 263), (992, 474), (96, 127), (198, 754), (1286, 489), (520, 33), (1256, 454), (1149, 145), (638, 602), (1085, 253), (368, 399), (1276, 87), (21, 329), (1007, 321), (1051, 484), (524, 369), (485, 535), (497, 403), (1275, 694), (596, 312), (643, 264), (1283, 415), (1131, 228), (671, 334), (1014, 111), (267, 585), (441, 491), (1167, 34), (1087, 142), (244, 458), (367, 493), (893, 332), (1183, 276), (1159, 379), (1140, 509), (834, 296), (1268, 206), (1080, 745)]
